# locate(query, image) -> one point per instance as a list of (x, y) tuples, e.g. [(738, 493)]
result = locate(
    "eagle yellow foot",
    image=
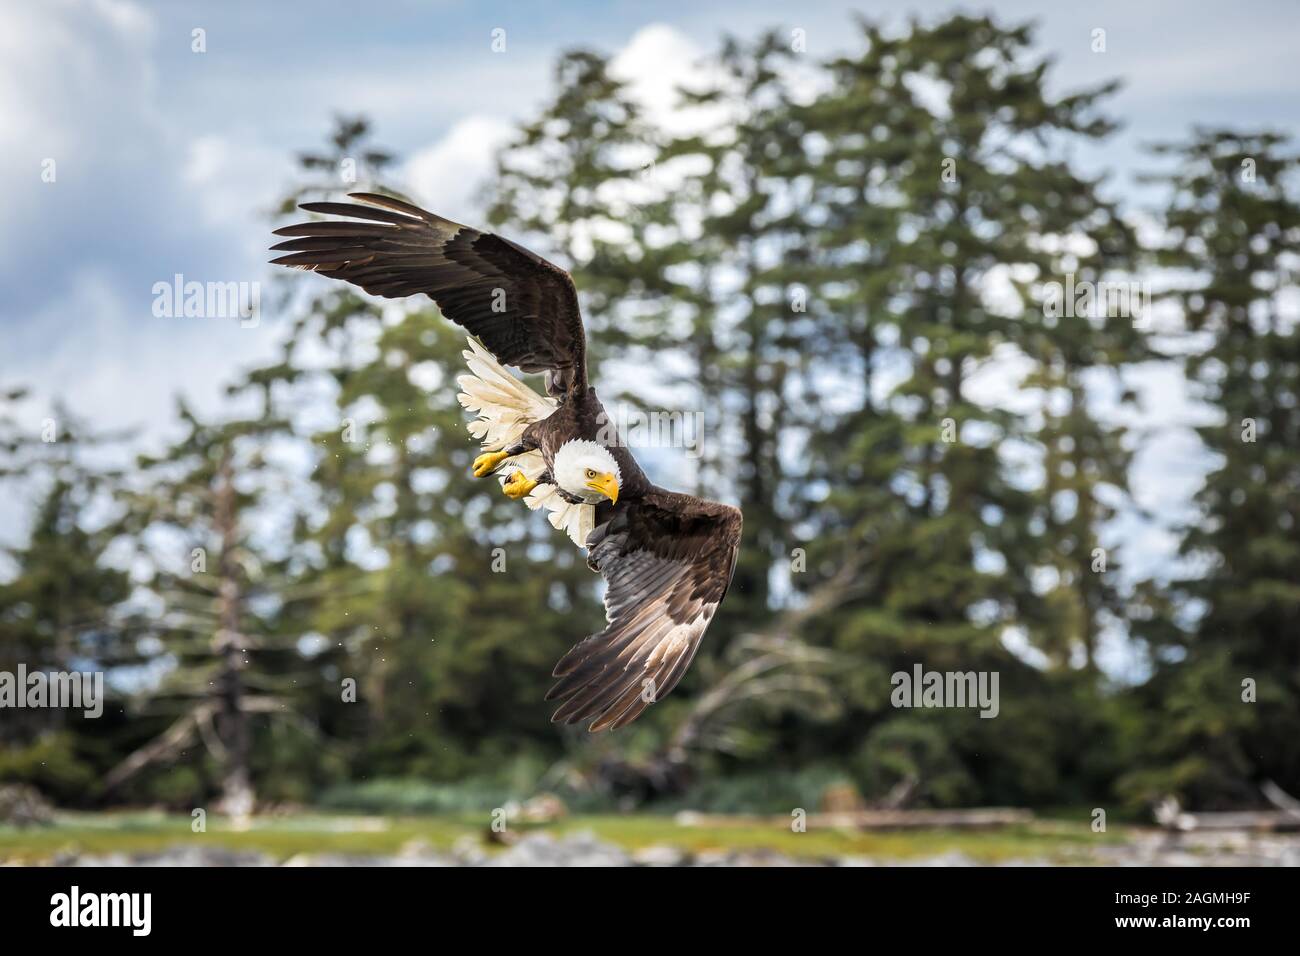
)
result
[(517, 485), (486, 463)]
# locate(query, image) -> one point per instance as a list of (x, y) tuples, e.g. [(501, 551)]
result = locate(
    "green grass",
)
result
[(1053, 840), (278, 837)]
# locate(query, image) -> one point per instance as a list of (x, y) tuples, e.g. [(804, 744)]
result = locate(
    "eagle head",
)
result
[(587, 470)]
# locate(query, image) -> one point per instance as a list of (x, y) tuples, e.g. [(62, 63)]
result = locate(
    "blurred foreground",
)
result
[(310, 839)]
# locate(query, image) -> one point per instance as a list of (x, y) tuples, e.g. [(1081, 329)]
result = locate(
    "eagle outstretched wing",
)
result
[(668, 560), (521, 307)]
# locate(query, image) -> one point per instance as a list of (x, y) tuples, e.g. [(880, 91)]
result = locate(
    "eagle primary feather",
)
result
[(667, 558), (523, 308)]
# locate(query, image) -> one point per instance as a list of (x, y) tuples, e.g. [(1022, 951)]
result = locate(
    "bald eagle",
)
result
[(667, 558)]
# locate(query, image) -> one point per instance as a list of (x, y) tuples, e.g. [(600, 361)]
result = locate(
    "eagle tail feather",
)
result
[(505, 407)]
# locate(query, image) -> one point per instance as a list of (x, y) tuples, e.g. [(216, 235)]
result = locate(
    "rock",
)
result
[(469, 852), (543, 808), (356, 859), (179, 856), (578, 849), (842, 797), (660, 856), (418, 852), (203, 856), (1018, 862), (712, 858), (755, 857), (504, 836), (951, 858), (108, 860)]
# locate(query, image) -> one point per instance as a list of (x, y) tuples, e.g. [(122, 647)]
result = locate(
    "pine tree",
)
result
[(216, 591), (58, 600), (569, 179), (943, 206), (743, 269), (1226, 696), (928, 199)]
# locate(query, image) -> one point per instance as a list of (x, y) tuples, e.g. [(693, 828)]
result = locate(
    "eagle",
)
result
[(667, 558)]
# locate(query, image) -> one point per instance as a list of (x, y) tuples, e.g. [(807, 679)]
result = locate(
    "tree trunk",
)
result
[(237, 797)]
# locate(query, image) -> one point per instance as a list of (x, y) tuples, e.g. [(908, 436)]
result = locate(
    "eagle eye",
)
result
[(591, 473)]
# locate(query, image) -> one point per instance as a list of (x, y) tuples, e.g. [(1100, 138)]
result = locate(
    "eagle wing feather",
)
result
[(523, 308), (668, 560)]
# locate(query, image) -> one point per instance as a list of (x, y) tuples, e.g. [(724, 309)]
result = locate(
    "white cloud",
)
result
[(119, 367), (447, 176), (136, 199), (65, 70), (110, 368), (232, 182), (656, 61)]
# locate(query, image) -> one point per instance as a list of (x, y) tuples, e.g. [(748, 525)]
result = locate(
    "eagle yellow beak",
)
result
[(606, 484)]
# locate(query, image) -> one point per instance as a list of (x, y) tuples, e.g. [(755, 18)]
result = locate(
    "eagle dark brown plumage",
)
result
[(667, 558)]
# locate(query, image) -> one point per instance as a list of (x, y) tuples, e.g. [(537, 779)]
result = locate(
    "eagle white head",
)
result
[(587, 470)]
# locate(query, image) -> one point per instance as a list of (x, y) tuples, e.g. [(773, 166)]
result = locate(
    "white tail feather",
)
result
[(505, 407)]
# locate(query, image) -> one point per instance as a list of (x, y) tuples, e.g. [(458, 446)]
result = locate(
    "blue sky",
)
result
[(167, 159)]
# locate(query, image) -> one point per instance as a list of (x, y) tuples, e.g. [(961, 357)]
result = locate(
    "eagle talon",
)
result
[(486, 463), (518, 485)]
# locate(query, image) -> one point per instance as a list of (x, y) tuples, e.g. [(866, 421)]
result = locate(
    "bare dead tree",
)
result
[(231, 731)]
